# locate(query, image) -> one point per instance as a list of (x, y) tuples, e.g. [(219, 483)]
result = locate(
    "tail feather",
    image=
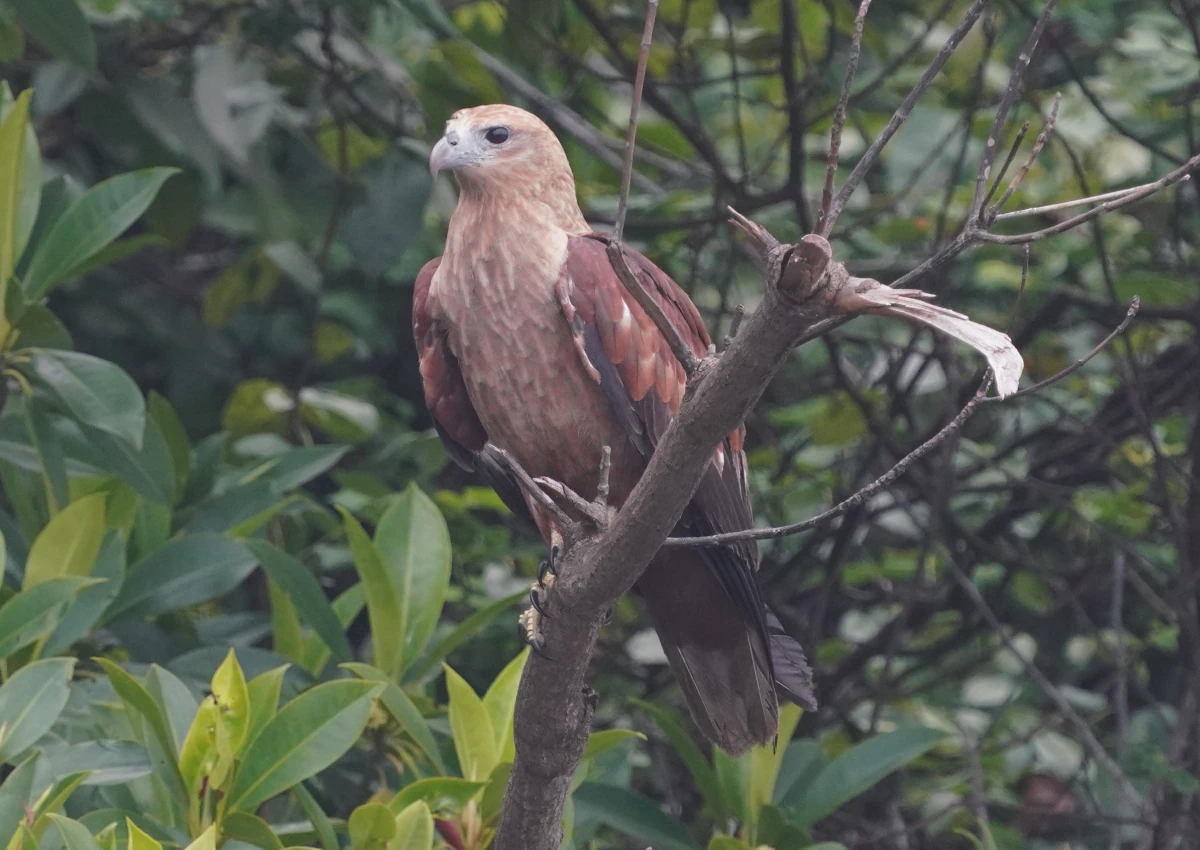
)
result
[(793, 676)]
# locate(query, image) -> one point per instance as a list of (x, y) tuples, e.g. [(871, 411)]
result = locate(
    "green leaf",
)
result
[(107, 762), (14, 796), (305, 593), (414, 828), (861, 767), (146, 471), (233, 703), (198, 757), (460, 634), (689, 753), (322, 825), (371, 825), (414, 543), (402, 709), (765, 762), (727, 842), (13, 140), (103, 213), (474, 740), (175, 436), (88, 607), (30, 703), (501, 701), (306, 736), (633, 815), (61, 28), (263, 691), (69, 543), (139, 840), (384, 605), (187, 571), (241, 826), (602, 742), (75, 835), (93, 391), (206, 841), (439, 793), (45, 441), (138, 702), (32, 614)]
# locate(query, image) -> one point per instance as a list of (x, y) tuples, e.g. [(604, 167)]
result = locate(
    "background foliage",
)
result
[(213, 433)]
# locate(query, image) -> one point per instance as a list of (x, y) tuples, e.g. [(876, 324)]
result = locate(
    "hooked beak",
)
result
[(448, 153)]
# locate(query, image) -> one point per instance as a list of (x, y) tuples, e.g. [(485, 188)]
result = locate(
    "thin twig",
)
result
[(1038, 144), (679, 347), (1125, 199), (853, 501), (1006, 101), (1012, 153), (902, 112), (639, 82), (839, 120), (1076, 202), (528, 484)]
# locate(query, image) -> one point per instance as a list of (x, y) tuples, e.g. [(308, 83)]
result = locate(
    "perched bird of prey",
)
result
[(528, 340)]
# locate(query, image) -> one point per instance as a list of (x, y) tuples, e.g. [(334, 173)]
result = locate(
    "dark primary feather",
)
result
[(644, 384)]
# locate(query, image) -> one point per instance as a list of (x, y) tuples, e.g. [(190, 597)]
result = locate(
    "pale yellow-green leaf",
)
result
[(139, 840), (69, 543), (474, 740), (765, 762), (414, 828), (198, 756), (206, 841), (12, 167), (233, 701), (501, 700)]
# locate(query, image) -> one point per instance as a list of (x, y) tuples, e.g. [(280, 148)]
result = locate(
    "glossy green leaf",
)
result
[(175, 436), (187, 571), (306, 736), (93, 391), (861, 767), (247, 828), (322, 825), (414, 828), (139, 840), (384, 604), (107, 762), (30, 702), (60, 27), (474, 739), (414, 543), (460, 634), (31, 614), (632, 814), (601, 742), (146, 470), (501, 701), (69, 543), (438, 793), (13, 143), (305, 593), (15, 796), (263, 692), (108, 571), (727, 842), (138, 702), (199, 758), (103, 213), (371, 825), (75, 835), (689, 753), (402, 709), (45, 441), (206, 841), (765, 762)]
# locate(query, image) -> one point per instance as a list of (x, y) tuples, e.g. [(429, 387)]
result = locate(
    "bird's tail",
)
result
[(721, 662)]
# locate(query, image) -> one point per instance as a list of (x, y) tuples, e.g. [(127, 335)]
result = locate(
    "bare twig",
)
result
[(528, 484), (1038, 144), (824, 224), (635, 105), (679, 347), (902, 112), (1012, 153), (1078, 202), (1006, 101)]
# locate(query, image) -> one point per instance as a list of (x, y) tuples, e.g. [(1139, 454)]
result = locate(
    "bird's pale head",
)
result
[(503, 153)]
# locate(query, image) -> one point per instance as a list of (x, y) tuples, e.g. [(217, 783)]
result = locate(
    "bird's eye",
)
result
[(497, 135)]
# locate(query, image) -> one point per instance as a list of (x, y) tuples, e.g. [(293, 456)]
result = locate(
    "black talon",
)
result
[(536, 603)]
